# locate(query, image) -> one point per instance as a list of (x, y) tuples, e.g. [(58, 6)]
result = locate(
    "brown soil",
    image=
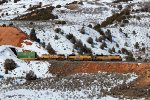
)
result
[(95, 67), (11, 36)]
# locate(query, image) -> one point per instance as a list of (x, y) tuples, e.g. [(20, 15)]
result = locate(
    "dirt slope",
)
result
[(64, 68), (11, 36)]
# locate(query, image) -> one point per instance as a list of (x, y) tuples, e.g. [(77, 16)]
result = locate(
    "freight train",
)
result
[(72, 57)]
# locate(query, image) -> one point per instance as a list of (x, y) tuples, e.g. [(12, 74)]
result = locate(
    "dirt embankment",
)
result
[(11, 36), (68, 67), (139, 88)]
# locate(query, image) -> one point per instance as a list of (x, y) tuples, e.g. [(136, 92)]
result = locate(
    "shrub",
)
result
[(90, 40), (110, 51), (119, 7), (79, 43), (139, 58), (96, 39), (133, 32), (33, 35), (24, 6), (101, 32), (90, 26), (50, 49), (56, 37), (11, 24), (102, 46), (96, 27), (143, 49), (126, 44), (117, 45), (38, 40), (108, 35), (31, 76), (61, 22), (130, 57), (43, 44), (119, 51), (73, 40), (103, 37), (15, 1), (100, 39), (136, 45), (9, 65), (82, 30), (126, 35), (121, 30), (86, 50), (58, 6), (125, 21), (113, 49), (58, 30), (69, 36), (4, 25), (124, 51), (82, 49)]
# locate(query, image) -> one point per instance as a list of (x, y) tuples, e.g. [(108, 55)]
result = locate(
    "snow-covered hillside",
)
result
[(89, 12)]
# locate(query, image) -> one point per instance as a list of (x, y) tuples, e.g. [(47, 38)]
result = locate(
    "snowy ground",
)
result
[(47, 95), (80, 86)]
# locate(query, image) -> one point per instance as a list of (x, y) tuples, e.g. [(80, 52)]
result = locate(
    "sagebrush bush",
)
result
[(31, 76)]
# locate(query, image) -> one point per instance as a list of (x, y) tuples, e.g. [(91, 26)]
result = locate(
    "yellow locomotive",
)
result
[(48, 56), (107, 58), (79, 57)]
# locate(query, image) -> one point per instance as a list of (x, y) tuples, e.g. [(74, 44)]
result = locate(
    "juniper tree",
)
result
[(50, 49), (33, 35), (82, 30), (113, 49), (136, 45), (9, 65), (90, 40), (56, 37)]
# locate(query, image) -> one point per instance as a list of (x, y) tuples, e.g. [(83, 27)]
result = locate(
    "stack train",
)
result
[(72, 57)]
